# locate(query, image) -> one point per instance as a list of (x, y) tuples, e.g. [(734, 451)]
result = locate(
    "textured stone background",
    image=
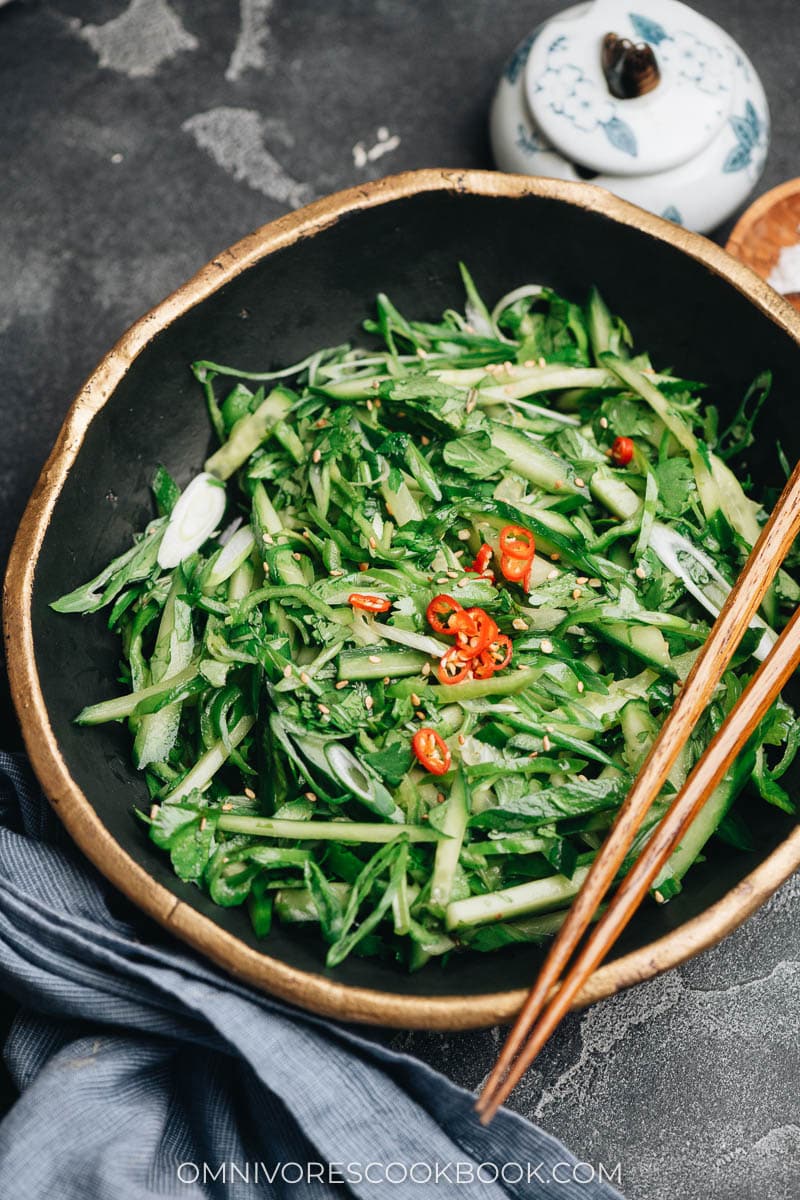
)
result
[(139, 137)]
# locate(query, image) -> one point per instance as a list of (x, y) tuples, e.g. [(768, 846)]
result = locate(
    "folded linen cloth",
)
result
[(145, 1071)]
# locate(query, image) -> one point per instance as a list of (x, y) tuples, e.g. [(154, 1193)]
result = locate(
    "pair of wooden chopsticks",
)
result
[(538, 1017)]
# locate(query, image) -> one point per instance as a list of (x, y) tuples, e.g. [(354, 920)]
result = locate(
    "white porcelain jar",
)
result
[(691, 149)]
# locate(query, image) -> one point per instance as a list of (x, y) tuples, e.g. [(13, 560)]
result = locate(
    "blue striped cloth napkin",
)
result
[(146, 1072)]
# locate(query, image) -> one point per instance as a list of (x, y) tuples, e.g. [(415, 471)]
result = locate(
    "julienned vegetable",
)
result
[(391, 660)]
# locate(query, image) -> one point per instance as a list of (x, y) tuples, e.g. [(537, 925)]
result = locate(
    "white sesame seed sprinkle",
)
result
[(581, 686), (579, 482), (305, 677), (545, 743), (546, 646), (576, 593), (368, 703), (426, 668), (343, 683), (316, 456), (415, 700), (249, 793), (640, 573), (323, 708), (518, 623), (463, 535), (374, 658), (287, 671), (604, 422)]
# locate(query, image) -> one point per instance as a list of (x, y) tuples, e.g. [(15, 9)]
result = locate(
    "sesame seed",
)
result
[(419, 714), (386, 681), (336, 571), (421, 353), (296, 555), (595, 583), (203, 823), (462, 582), (153, 811), (518, 623), (581, 686), (581, 579), (553, 573), (542, 362), (579, 482), (463, 535), (311, 797), (373, 545), (322, 423), (316, 456), (546, 646), (343, 683), (472, 401), (227, 806), (440, 797), (268, 538), (461, 739), (376, 658), (458, 554), (555, 556), (658, 897), (424, 817), (604, 422), (576, 593), (640, 573), (452, 575), (415, 700), (287, 671), (323, 708), (533, 754), (426, 668), (582, 779), (368, 703), (545, 743), (305, 677), (376, 383), (377, 401), (426, 441), (249, 793), (549, 729), (521, 667), (370, 406)]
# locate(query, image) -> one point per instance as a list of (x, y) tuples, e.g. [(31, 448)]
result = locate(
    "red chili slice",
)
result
[(482, 666), (621, 451), (431, 751), (517, 542), (445, 615), (454, 666), (370, 604), (516, 570), (482, 559), (485, 632), (500, 651)]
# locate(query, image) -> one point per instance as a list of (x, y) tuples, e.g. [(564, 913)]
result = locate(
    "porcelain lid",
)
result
[(570, 100)]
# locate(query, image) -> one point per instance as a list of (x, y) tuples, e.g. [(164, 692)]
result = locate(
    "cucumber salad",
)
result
[(392, 659)]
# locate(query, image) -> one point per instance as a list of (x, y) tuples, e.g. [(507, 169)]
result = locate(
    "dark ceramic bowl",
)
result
[(307, 280)]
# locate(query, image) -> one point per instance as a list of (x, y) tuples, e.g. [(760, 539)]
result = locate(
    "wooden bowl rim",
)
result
[(737, 242), (314, 991)]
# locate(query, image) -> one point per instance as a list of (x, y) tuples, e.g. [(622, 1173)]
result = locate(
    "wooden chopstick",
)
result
[(741, 605), (749, 711)]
